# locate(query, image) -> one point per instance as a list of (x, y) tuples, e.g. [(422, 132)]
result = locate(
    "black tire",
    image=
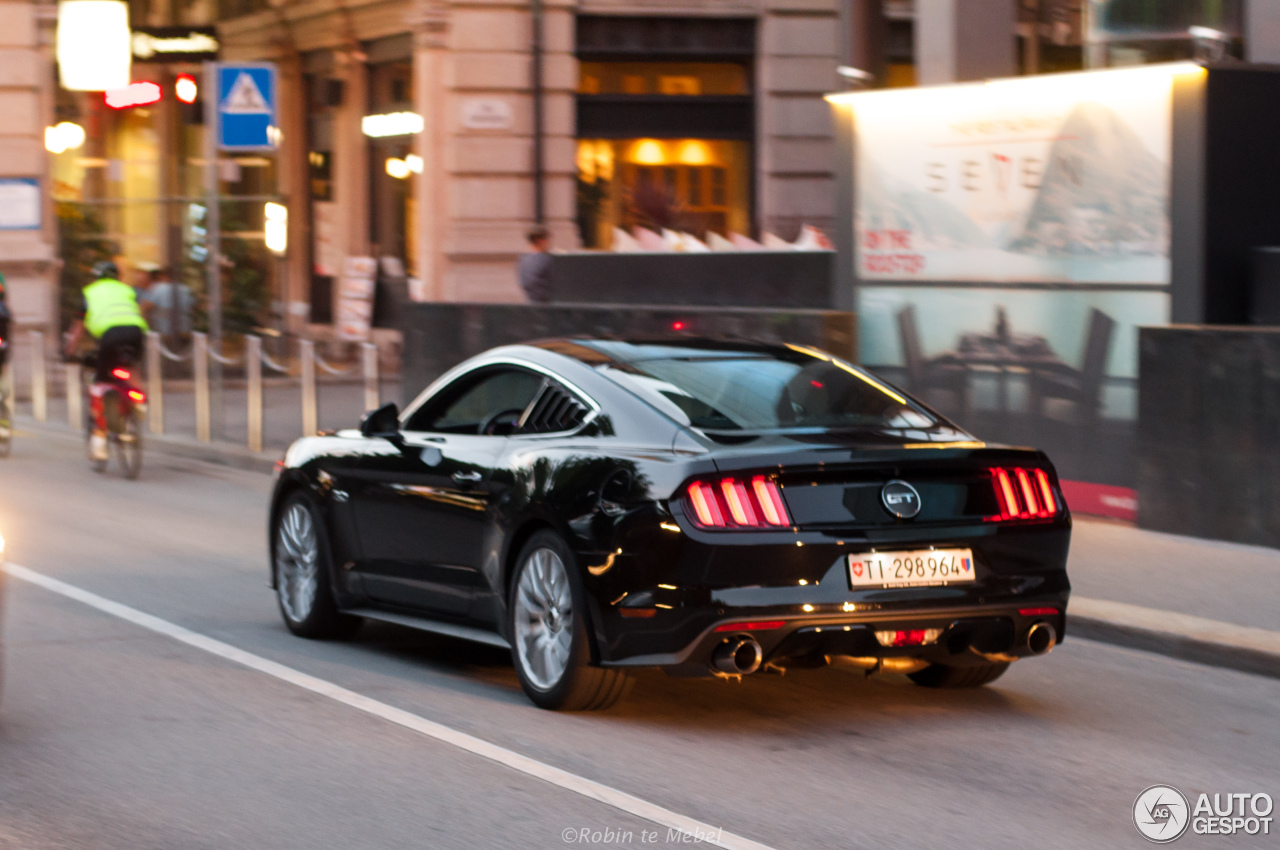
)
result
[(95, 465), (319, 618), (129, 446), (579, 686), (943, 676)]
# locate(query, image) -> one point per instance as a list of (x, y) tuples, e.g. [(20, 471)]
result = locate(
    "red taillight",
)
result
[(138, 396), (730, 503), (760, 626), (1023, 493), (122, 374), (910, 637), (1046, 493), (770, 498), (705, 509), (1038, 612), (735, 496)]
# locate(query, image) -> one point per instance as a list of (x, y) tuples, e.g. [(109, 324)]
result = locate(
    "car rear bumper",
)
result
[(678, 614), (966, 636)]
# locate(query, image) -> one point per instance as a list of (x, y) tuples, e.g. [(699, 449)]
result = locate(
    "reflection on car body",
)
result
[(704, 507)]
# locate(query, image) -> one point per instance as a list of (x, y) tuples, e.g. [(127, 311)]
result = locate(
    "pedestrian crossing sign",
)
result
[(246, 105)]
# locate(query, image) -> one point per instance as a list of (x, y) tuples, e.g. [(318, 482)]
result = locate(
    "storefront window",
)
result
[(698, 186), (663, 78), (665, 145), (392, 164)]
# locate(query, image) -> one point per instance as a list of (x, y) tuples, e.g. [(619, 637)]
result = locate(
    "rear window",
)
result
[(727, 390)]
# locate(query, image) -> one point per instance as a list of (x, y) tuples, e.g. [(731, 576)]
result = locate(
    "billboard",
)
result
[(1050, 179)]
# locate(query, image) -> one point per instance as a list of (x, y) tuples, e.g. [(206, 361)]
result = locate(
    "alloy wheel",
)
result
[(297, 562), (543, 619)]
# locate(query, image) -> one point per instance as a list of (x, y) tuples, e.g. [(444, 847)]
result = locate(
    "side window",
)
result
[(492, 400)]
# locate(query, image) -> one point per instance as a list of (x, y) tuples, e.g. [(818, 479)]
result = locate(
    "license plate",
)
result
[(918, 568)]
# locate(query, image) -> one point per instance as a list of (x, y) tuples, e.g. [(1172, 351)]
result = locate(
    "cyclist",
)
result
[(109, 312)]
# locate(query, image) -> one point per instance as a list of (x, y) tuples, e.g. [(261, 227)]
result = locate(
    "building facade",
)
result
[(27, 230), (413, 129)]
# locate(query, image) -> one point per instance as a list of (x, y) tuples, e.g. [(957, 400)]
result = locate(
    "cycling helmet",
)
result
[(106, 268)]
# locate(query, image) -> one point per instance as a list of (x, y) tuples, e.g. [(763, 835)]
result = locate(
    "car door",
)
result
[(424, 508)]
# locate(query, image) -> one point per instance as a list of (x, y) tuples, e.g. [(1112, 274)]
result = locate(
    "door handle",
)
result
[(467, 477)]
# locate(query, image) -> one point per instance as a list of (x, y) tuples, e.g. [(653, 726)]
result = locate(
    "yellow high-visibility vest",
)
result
[(109, 304)]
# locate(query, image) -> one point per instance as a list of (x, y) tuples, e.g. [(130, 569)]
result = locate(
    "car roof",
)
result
[(626, 350)]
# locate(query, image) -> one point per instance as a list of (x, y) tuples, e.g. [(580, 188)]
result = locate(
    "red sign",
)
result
[(135, 94)]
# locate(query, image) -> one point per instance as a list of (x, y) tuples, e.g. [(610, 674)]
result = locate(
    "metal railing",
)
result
[(254, 359)]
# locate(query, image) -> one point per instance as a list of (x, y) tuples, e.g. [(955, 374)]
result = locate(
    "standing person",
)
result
[(166, 305), (109, 312), (534, 267), (6, 318)]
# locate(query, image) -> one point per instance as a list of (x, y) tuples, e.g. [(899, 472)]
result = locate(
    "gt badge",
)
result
[(900, 499)]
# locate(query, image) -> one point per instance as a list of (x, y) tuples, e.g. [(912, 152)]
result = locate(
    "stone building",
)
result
[(704, 115), (27, 231)]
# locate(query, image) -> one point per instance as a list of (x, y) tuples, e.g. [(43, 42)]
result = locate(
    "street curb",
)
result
[(1181, 636), (222, 454)]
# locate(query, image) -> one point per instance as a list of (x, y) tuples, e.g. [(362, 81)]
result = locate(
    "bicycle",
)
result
[(122, 407)]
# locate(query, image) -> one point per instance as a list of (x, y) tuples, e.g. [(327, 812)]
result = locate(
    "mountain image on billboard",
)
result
[(1103, 192), (983, 183)]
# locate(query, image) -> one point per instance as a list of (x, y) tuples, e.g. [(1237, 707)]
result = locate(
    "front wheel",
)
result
[(550, 646), (943, 676), (302, 571)]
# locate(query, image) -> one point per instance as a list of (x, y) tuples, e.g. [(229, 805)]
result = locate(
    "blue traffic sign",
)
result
[(246, 105)]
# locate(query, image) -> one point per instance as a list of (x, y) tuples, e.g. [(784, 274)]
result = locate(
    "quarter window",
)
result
[(474, 400)]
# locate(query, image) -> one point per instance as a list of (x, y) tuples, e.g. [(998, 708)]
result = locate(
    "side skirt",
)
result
[(426, 624)]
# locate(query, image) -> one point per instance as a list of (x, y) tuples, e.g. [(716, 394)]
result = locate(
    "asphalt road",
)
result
[(115, 736)]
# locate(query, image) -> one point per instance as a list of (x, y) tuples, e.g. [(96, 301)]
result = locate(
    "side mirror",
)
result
[(383, 422)]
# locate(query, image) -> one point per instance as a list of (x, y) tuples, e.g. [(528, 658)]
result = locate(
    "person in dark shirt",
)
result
[(6, 319), (534, 267)]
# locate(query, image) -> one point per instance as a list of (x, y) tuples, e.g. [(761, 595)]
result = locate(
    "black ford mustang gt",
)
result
[(706, 507)]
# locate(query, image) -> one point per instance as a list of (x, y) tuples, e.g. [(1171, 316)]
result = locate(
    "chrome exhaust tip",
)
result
[(737, 657), (1041, 638)]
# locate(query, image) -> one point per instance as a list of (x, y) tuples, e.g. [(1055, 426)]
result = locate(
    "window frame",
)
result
[(462, 373)]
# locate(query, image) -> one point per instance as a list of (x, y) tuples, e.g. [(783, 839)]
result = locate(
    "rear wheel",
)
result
[(943, 676), (6, 422), (302, 567), (129, 444), (550, 646)]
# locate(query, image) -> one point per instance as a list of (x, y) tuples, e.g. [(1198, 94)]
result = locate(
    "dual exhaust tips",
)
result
[(741, 656)]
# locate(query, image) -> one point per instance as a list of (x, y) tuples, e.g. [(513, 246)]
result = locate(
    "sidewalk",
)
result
[(339, 405), (1198, 600)]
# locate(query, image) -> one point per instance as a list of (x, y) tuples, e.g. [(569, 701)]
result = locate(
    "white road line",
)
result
[(620, 800)]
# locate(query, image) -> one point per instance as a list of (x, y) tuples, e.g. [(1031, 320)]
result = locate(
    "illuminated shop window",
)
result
[(673, 79), (698, 186)]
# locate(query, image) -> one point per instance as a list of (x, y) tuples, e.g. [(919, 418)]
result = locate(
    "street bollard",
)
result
[(253, 372), (369, 366), (75, 393), (307, 357), (39, 381), (155, 396), (200, 367)]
